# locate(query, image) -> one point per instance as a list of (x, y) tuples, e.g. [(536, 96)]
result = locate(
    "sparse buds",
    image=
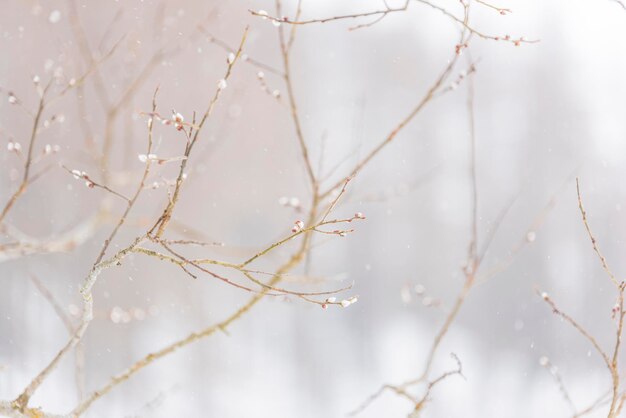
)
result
[(359, 215), (78, 174), (297, 226), (221, 85), (347, 302), (178, 120), (231, 58), (149, 157), (14, 146), (615, 310)]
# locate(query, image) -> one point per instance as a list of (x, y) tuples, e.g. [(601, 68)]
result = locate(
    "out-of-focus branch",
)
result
[(430, 94), (245, 57), (284, 49), (79, 353), (25, 245), (621, 3), (29, 156)]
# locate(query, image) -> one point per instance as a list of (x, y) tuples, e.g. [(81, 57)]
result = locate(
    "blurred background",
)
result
[(544, 113)]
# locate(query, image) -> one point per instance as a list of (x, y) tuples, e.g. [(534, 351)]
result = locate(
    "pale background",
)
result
[(544, 112)]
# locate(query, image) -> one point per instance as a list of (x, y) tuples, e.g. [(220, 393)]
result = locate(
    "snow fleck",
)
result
[(54, 17), (154, 310), (116, 314), (47, 66), (139, 314), (405, 295), (73, 310)]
